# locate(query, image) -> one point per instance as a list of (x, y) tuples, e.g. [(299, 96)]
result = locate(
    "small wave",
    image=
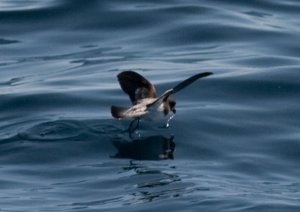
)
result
[(17, 5), (7, 41)]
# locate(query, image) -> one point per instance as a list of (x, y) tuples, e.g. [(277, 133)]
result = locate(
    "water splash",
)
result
[(138, 133), (169, 119)]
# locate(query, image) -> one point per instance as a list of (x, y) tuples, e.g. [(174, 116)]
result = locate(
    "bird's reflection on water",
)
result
[(156, 147)]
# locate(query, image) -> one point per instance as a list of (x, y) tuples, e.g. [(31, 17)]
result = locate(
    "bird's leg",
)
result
[(131, 127)]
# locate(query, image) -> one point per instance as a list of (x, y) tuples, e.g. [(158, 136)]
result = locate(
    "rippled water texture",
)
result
[(234, 144)]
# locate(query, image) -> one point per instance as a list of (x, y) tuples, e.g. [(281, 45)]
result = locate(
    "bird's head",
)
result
[(172, 104)]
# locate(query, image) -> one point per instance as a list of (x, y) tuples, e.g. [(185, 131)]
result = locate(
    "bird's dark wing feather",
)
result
[(190, 80), (180, 86), (136, 86)]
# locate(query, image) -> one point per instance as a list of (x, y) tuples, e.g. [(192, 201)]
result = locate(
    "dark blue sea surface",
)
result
[(234, 144)]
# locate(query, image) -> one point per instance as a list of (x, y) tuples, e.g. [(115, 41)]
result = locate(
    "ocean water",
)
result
[(234, 144)]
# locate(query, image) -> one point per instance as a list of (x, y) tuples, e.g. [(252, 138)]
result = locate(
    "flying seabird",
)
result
[(143, 97)]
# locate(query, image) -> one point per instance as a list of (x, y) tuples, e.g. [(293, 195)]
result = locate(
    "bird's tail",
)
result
[(118, 112)]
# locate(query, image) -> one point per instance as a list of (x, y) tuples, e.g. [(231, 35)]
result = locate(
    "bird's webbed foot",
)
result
[(133, 126)]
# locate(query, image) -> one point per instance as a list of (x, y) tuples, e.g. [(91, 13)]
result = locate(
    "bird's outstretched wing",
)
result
[(190, 80), (180, 86), (136, 86)]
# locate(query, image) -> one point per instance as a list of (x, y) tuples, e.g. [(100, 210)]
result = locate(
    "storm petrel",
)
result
[(143, 97)]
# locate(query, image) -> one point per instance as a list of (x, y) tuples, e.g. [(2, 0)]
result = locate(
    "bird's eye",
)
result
[(172, 104)]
